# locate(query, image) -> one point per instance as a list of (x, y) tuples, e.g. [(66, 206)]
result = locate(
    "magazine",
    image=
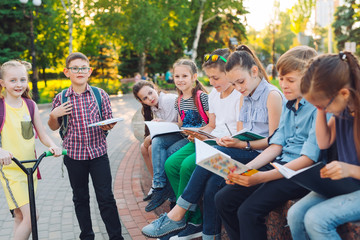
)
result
[(106, 122), (161, 128), (309, 178), (218, 162)]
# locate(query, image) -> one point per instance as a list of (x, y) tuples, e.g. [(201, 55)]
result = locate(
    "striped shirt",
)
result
[(192, 116), (80, 141)]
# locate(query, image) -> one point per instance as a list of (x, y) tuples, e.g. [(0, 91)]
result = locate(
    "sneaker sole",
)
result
[(191, 236), (159, 236)]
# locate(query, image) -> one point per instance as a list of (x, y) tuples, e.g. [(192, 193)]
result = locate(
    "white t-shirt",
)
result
[(165, 109), (226, 110)]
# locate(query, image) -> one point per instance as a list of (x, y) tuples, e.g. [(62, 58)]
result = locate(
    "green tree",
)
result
[(14, 38), (346, 25), (300, 14), (51, 38)]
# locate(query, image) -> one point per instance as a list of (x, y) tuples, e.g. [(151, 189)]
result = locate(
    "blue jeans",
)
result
[(162, 147), (316, 217), (204, 182)]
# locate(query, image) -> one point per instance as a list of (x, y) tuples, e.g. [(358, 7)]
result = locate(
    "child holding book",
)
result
[(18, 140), (224, 112), (192, 108), (260, 109), (244, 203), (332, 84), (86, 146), (156, 106)]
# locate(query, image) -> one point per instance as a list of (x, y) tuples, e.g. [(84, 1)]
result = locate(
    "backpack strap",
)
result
[(64, 123), (182, 113), (200, 106), (2, 113), (96, 93)]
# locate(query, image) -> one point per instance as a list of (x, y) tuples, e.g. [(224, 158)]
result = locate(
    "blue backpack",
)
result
[(64, 125)]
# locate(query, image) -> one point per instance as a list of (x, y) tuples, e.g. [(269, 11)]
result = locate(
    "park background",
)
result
[(124, 37)]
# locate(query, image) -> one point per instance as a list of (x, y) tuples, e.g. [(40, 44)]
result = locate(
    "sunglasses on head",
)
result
[(214, 58)]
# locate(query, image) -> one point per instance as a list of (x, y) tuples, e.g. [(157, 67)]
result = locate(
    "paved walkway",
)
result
[(54, 195)]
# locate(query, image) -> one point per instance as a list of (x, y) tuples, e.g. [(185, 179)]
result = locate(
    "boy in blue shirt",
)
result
[(293, 144)]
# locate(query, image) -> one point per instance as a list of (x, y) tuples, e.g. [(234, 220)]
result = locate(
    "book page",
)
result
[(246, 135), (217, 161), (160, 128), (106, 122)]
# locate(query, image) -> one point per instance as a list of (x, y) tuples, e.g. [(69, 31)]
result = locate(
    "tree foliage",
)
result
[(346, 25), (300, 14)]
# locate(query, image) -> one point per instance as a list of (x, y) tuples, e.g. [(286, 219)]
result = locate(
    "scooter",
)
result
[(29, 172)]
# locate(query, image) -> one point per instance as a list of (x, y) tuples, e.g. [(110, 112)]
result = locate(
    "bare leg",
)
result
[(177, 213), (146, 153), (22, 226)]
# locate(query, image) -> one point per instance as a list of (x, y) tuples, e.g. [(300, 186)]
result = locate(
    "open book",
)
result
[(218, 162), (191, 131), (242, 135), (106, 122), (309, 178), (161, 128)]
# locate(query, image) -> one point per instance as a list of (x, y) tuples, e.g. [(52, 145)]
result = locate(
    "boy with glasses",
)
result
[(86, 147)]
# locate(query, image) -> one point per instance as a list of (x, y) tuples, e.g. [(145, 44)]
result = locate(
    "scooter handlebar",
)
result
[(48, 153)]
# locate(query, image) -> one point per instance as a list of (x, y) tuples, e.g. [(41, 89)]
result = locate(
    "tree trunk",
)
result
[(142, 61), (198, 31), (44, 75), (70, 23)]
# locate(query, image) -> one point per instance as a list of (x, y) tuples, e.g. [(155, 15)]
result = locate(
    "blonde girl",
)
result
[(18, 131)]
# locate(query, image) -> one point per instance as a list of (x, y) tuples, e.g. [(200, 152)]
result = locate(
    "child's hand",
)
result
[(246, 181), (108, 126), (336, 170), (55, 150), (227, 142), (5, 157), (63, 109)]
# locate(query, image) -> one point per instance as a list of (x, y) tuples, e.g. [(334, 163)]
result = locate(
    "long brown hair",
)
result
[(15, 64), (146, 109), (193, 69), (329, 73), (245, 58)]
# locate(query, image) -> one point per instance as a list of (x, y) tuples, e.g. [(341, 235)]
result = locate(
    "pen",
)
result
[(228, 129)]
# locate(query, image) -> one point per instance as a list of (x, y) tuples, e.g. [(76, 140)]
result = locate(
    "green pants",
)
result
[(179, 168)]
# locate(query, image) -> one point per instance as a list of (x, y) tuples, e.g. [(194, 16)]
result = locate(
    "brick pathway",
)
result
[(54, 197)]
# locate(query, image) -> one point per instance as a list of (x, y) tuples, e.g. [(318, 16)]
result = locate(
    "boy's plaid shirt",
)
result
[(82, 142)]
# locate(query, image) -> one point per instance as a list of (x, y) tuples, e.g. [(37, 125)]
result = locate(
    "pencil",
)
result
[(228, 129)]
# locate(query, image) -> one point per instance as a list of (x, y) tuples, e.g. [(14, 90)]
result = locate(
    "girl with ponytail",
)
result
[(190, 107), (332, 84)]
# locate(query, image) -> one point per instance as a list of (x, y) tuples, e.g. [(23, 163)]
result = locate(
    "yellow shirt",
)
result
[(17, 135)]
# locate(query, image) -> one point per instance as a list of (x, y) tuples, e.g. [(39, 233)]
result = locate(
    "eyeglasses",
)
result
[(327, 105), (77, 69), (214, 58)]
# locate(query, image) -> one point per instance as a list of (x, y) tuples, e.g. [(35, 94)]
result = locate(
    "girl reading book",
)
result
[(332, 84), (260, 109)]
